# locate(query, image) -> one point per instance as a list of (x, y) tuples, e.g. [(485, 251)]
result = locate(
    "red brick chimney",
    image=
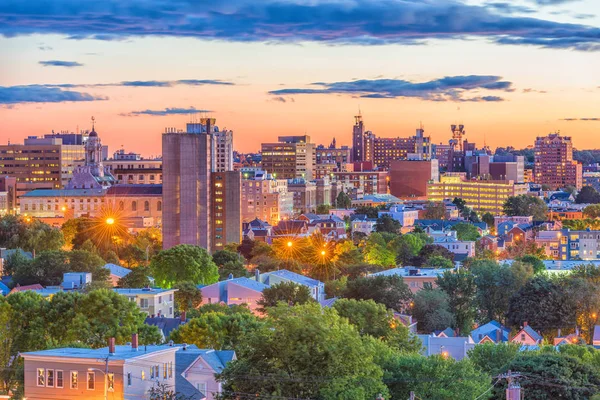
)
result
[(524, 324), (111, 346), (134, 341), (183, 316)]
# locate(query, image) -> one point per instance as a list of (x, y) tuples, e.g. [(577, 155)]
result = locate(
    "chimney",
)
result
[(498, 335), (525, 324), (183, 316), (134, 342), (230, 276), (257, 274), (111, 346)]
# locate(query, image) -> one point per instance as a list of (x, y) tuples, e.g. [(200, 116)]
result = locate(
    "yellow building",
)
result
[(482, 196)]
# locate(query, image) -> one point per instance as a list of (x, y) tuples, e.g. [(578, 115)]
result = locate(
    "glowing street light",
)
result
[(64, 208), (323, 252), (110, 221), (289, 244)]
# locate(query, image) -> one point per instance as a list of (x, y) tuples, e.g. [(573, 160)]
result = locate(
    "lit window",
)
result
[(59, 379), (50, 378), (74, 379), (41, 377), (111, 382), (91, 381)]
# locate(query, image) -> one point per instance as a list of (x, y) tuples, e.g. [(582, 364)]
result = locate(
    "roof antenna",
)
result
[(93, 122)]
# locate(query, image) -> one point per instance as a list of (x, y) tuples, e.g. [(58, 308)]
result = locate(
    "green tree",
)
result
[(435, 211), (343, 201), (431, 250), (137, 278), (289, 293), (374, 319), (390, 291), (15, 261), (459, 203), (493, 358), (216, 330), (323, 209), (336, 287), (587, 195), (228, 263), (439, 262), (536, 263), (408, 246), (467, 232), (435, 377), (187, 296), (37, 236), (431, 309), (346, 253), (47, 269), (526, 205), (85, 261), (183, 263), (294, 343), (369, 211), (386, 223), (592, 211), (460, 288), (162, 391), (376, 251), (488, 218)]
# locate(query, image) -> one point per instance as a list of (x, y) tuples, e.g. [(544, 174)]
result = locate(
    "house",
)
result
[(153, 301), (492, 332), (76, 280), (196, 369), (26, 288), (455, 347), (116, 272), (415, 278), (527, 336), (234, 291), (4, 290), (131, 371), (257, 230), (332, 227), (448, 332), (573, 338), (550, 242), (596, 337), (443, 225), (317, 288), (403, 214), (450, 242), (166, 325), (290, 228), (489, 242), (526, 219), (361, 223)]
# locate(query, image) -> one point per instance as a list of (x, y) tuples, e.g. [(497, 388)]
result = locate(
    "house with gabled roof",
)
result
[(317, 288), (234, 291), (527, 336), (116, 272), (492, 332), (196, 369), (596, 337)]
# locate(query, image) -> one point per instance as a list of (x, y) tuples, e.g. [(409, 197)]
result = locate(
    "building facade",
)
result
[(226, 225), (366, 182), (554, 165), (266, 198), (290, 158), (409, 178)]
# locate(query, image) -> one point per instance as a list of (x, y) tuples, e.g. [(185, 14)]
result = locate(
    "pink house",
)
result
[(527, 336), (234, 291), (196, 369)]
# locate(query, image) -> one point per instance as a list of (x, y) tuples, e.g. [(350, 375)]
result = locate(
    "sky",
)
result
[(509, 71)]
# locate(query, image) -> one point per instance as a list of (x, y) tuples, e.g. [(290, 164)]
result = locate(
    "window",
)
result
[(143, 375), (159, 206), (165, 370), (91, 380), (157, 371), (50, 378), (41, 377), (152, 372), (134, 206), (522, 337), (170, 369), (121, 206), (159, 299), (59, 378), (144, 303), (201, 386), (111, 382), (129, 378), (146, 206), (74, 380)]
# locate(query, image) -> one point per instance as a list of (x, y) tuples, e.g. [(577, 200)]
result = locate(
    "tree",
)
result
[(461, 290), (187, 296), (431, 309), (526, 205), (488, 218), (438, 262), (587, 195), (376, 251), (183, 263), (493, 358), (435, 211), (553, 376), (85, 261), (343, 201), (368, 211), (386, 223), (535, 262), (162, 391), (335, 287), (47, 269), (390, 291), (293, 344), (323, 209), (459, 203), (137, 278), (466, 232), (585, 297), (346, 253), (360, 270), (374, 319), (15, 261), (290, 293), (432, 250), (435, 377), (229, 263), (592, 211), (408, 246)]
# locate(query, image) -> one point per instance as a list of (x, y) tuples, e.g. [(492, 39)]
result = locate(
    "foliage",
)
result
[(492, 358), (368, 211), (296, 342), (183, 263), (343, 201), (323, 209), (408, 246), (376, 251), (335, 288), (374, 319), (346, 253), (435, 211), (229, 263), (85, 261), (162, 391), (187, 296), (461, 290), (587, 195), (522, 248), (431, 309), (29, 234), (390, 291), (290, 293), (47, 269), (137, 278), (592, 211), (526, 205), (15, 261), (360, 270), (488, 218), (386, 223), (536, 263), (431, 250), (439, 262), (467, 232)]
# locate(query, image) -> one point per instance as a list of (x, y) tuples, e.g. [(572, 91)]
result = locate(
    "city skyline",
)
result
[(509, 72)]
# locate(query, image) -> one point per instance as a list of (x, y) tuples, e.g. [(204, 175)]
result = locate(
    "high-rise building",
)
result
[(266, 198), (409, 178), (358, 133), (201, 192), (290, 158), (554, 165)]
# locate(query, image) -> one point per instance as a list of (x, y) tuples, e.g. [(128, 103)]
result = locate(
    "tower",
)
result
[(458, 132), (358, 144), (93, 152)]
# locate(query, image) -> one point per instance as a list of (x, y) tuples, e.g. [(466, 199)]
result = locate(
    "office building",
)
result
[(290, 158), (481, 196), (304, 194), (266, 198), (8, 195), (554, 165), (409, 178), (364, 182), (332, 155), (387, 150), (358, 140), (226, 225)]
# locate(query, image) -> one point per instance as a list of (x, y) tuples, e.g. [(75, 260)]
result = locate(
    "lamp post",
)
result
[(105, 373)]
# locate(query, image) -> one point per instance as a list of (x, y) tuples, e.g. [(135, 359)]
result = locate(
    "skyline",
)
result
[(509, 72)]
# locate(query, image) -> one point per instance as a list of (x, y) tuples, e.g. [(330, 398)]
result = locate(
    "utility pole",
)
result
[(513, 390), (412, 396)]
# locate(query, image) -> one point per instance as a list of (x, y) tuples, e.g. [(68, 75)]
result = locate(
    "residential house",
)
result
[(26, 288), (492, 332), (527, 336), (429, 225), (489, 242), (166, 325), (331, 227), (257, 230), (131, 371), (451, 243), (448, 332), (360, 223), (153, 301), (455, 347), (403, 214), (415, 278), (196, 370), (550, 242), (572, 338), (234, 291), (521, 219), (289, 228), (116, 272), (317, 288)]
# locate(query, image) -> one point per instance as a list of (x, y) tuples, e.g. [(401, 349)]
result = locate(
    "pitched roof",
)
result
[(25, 288), (122, 352), (248, 283), (490, 330), (166, 325), (292, 276), (531, 332), (142, 291), (117, 270), (5, 253), (216, 359)]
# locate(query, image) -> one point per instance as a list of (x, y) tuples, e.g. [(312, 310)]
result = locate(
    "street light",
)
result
[(110, 221), (105, 373), (323, 252), (289, 244)]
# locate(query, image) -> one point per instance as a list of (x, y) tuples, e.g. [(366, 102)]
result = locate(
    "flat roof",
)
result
[(122, 352)]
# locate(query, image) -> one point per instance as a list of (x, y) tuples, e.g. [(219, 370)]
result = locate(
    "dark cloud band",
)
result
[(166, 111), (58, 63), (42, 94)]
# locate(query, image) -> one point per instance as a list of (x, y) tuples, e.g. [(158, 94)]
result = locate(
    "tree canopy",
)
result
[(391, 291), (183, 263), (526, 205), (587, 195), (289, 293)]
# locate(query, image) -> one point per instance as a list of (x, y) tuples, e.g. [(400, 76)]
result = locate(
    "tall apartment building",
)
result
[(358, 141), (290, 158), (554, 164), (8, 195), (409, 178), (201, 198), (266, 198), (40, 163), (331, 155)]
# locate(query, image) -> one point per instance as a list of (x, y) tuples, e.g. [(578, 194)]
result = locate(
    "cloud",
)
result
[(508, 8), (584, 16), (282, 99), (552, 2), (362, 22), (42, 94), (58, 63), (449, 88), (43, 47), (530, 90), (581, 119), (166, 111), (187, 82)]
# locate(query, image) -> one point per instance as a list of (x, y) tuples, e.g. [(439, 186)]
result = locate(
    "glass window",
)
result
[(159, 206), (129, 378), (134, 206), (59, 378), (91, 380), (146, 206), (50, 378), (41, 377), (111, 381), (165, 370), (74, 380)]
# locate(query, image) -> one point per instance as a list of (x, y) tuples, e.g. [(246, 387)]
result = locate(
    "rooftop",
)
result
[(123, 352), (125, 292), (65, 193)]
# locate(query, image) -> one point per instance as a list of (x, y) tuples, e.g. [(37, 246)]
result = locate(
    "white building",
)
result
[(450, 242), (403, 214), (155, 302)]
